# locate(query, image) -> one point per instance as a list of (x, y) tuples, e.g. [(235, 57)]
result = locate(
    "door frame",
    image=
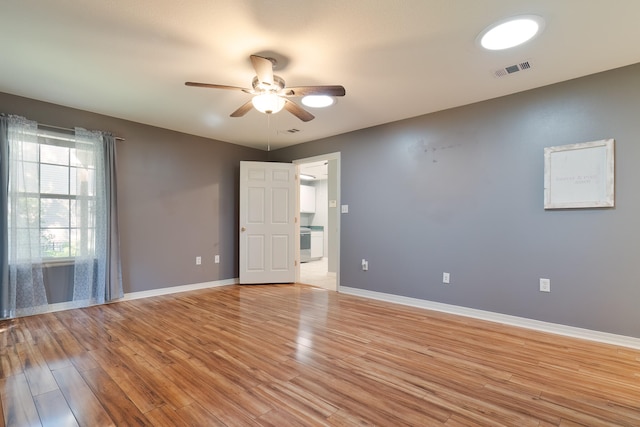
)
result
[(329, 156)]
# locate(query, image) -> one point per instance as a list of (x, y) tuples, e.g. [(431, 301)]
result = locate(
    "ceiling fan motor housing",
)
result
[(259, 87)]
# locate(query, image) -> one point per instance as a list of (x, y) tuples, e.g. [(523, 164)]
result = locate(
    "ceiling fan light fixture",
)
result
[(318, 101), (269, 92), (511, 32), (268, 103)]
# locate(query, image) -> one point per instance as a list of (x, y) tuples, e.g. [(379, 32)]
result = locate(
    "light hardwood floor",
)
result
[(293, 355)]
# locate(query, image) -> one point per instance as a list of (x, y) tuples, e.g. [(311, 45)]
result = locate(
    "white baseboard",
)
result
[(69, 305), (176, 289), (52, 308), (537, 325), (554, 328)]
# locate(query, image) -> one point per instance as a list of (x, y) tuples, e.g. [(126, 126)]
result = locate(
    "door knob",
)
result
[(243, 229)]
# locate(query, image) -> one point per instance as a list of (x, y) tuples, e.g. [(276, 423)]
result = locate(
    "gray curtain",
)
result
[(5, 306), (113, 271), (97, 277), (22, 289)]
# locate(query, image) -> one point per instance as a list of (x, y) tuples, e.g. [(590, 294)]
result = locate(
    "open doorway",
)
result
[(319, 196)]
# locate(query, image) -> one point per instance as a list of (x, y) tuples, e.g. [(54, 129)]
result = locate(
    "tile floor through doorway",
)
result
[(316, 273)]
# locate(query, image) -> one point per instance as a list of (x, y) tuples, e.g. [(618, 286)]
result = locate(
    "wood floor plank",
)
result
[(130, 382), (6, 337), (216, 400), (345, 389), (18, 404), (2, 417), (10, 361), (36, 369), (295, 355), (259, 365), (284, 417), (85, 405), (253, 403), (140, 345), (53, 353), (69, 343), (165, 416), (166, 390), (296, 400), (344, 418), (114, 399), (195, 415), (54, 410)]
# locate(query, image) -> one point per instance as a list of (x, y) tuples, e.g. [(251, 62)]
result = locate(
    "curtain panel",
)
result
[(97, 276), (23, 290), (113, 269), (93, 242), (5, 304)]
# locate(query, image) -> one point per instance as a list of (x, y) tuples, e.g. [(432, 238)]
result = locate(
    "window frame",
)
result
[(59, 138)]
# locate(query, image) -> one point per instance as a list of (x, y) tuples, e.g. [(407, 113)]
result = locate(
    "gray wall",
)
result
[(177, 195), (458, 191), (461, 191)]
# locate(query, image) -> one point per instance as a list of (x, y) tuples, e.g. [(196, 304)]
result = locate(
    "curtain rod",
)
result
[(118, 138)]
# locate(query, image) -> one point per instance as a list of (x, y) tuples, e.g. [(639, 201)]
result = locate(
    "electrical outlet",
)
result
[(365, 265), (198, 260), (545, 285), (445, 277), (217, 259)]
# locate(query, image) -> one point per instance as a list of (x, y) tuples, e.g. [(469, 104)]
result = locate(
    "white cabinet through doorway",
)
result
[(307, 199), (317, 244)]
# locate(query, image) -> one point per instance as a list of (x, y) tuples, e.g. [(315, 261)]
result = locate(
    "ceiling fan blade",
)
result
[(298, 111), (244, 109), (213, 86), (264, 69), (335, 90)]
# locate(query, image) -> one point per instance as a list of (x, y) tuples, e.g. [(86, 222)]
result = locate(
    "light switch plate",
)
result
[(333, 203), (345, 209), (545, 285)]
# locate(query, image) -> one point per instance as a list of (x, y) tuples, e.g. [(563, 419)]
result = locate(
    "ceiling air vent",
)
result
[(502, 72), (288, 131)]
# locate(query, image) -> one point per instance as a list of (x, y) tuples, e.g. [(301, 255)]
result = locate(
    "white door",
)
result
[(267, 222)]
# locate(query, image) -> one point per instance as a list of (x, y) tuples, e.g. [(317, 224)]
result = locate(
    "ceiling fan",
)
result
[(270, 92)]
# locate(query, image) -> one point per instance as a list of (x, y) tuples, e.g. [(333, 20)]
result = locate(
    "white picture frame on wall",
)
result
[(579, 175)]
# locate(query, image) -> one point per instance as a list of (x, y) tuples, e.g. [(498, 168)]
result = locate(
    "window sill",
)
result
[(57, 262)]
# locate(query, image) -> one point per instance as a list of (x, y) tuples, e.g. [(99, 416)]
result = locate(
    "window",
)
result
[(60, 197), (59, 186)]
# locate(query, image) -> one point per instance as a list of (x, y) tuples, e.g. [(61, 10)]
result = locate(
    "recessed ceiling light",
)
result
[(511, 32), (317, 101)]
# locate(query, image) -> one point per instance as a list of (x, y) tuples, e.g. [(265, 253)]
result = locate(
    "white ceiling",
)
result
[(318, 170), (396, 58)]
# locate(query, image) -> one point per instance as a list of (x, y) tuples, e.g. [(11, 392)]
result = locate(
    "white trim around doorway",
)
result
[(325, 157)]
